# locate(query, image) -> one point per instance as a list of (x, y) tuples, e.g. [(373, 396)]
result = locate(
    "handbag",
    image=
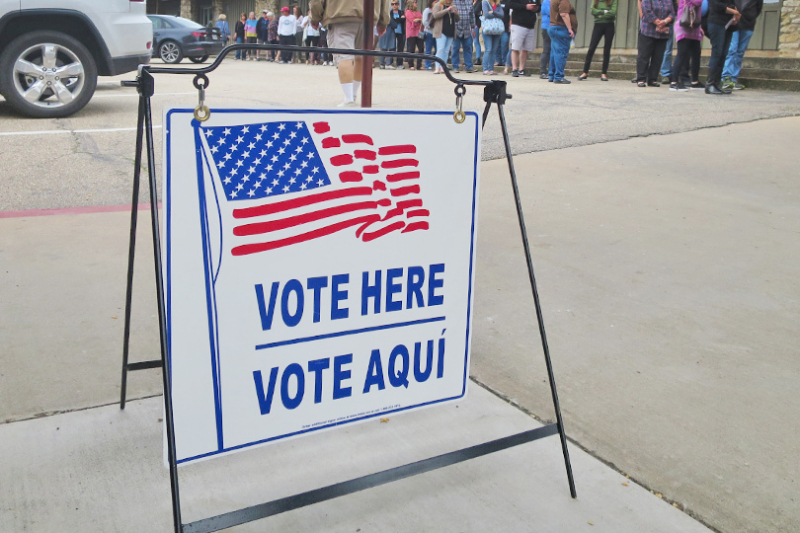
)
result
[(492, 26), (689, 18)]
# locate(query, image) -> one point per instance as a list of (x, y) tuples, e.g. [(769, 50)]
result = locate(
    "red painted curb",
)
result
[(71, 210)]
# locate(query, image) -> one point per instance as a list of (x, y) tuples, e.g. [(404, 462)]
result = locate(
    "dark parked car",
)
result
[(175, 38)]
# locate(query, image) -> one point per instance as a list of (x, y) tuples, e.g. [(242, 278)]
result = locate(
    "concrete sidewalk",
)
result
[(101, 470), (667, 269)]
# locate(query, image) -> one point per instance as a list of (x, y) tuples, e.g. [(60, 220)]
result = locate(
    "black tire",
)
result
[(170, 52), (59, 91), (201, 59)]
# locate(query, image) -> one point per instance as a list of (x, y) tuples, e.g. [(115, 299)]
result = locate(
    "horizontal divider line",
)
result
[(349, 332), (248, 514)]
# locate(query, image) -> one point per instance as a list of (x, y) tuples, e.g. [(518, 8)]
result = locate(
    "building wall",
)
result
[(790, 29)]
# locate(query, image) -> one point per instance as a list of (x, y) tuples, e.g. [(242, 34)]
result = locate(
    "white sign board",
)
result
[(319, 269)]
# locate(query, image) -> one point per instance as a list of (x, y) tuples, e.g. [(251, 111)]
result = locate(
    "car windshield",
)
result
[(186, 23)]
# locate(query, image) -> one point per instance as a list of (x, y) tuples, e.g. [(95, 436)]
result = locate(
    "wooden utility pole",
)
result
[(367, 61)]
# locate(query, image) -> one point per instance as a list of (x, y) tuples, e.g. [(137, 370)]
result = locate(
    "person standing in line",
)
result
[(262, 27), (688, 40), (492, 11), (563, 25), (345, 22), (722, 20), (523, 33), (657, 15), (224, 29), (398, 27), (503, 59), (287, 25), (413, 27), (298, 32), (750, 10), (387, 43), (272, 36), (445, 17), (666, 62), (465, 32), (430, 42), (605, 14), (477, 11), (238, 32), (312, 39), (544, 60), (250, 35)]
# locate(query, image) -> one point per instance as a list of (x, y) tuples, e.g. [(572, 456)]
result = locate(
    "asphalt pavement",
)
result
[(664, 230)]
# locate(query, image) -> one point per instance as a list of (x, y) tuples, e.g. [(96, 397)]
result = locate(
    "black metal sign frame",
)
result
[(494, 92)]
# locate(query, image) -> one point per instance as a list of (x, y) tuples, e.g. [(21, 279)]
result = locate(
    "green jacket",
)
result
[(604, 13)]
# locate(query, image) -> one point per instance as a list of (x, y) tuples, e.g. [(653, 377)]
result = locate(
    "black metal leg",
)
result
[(562, 434), (137, 172), (146, 80)]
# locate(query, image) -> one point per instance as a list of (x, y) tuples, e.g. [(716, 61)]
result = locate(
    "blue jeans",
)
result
[(733, 64), (443, 45), (466, 43), (476, 45), (430, 48), (504, 55), (240, 53), (666, 63), (492, 44), (559, 50)]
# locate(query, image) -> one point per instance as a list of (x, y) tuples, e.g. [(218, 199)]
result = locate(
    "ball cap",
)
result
[(284, 9)]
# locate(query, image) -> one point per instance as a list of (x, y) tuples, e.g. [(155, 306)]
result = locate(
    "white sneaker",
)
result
[(348, 104), (390, 67)]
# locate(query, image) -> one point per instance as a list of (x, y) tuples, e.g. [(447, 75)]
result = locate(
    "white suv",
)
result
[(51, 51)]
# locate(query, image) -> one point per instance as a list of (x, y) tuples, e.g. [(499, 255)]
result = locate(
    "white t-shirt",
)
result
[(310, 31), (287, 25)]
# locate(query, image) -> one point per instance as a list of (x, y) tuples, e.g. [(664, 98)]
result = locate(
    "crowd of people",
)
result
[(502, 33)]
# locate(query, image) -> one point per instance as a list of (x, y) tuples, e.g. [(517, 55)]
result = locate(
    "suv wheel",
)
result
[(170, 52), (47, 74), (200, 59)]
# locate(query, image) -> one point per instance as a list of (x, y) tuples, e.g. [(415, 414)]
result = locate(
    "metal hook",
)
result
[(201, 112), (459, 115)]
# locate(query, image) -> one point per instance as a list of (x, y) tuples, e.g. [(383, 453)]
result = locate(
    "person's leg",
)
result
[(658, 54), (563, 53), (643, 54), (597, 33), (441, 52), (400, 45), (476, 45), (544, 61), (238, 53), (666, 61), (608, 39), (677, 65), (457, 42), (716, 34), (502, 52), (430, 47), (551, 67), (468, 65), (488, 53), (523, 59), (733, 64), (695, 50)]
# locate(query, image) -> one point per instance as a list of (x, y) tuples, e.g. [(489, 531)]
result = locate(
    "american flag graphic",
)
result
[(273, 176)]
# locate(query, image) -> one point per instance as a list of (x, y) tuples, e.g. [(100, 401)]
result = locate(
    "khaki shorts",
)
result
[(348, 35), (523, 38)]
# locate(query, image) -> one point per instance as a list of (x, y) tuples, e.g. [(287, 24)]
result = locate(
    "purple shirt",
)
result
[(653, 10), (688, 33)]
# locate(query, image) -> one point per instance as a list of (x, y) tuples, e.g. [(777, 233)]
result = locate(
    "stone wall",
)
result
[(186, 9), (789, 39)]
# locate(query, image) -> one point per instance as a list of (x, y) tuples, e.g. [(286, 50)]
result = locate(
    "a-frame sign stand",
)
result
[(494, 93)]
